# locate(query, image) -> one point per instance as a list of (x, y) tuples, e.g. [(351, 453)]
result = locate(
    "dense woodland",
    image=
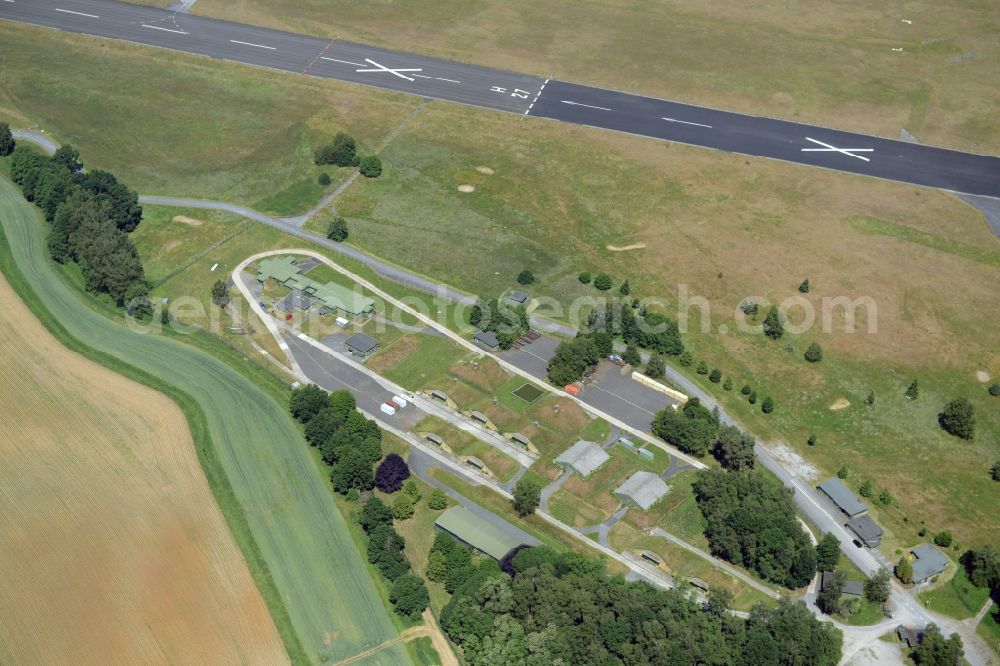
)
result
[(91, 216), (561, 609)]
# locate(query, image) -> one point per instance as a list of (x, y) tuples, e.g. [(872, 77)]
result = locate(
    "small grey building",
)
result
[(518, 297), (928, 561), (867, 531), (842, 496), (850, 588), (487, 339), (584, 458), (642, 490), (361, 345)]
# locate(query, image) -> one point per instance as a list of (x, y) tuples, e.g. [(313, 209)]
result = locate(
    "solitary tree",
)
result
[(745, 389), (828, 599), (324, 178), (631, 356), (877, 587), (403, 507), (625, 289), (804, 287), (870, 399), (995, 389), (814, 354), (391, 473), (773, 327), (904, 570), (827, 552), (728, 384), (958, 419), (437, 500), (336, 230), (527, 495), (866, 489), (752, 398), (843, 472), (812, 439), (943, 539), (656, 368), (913, 390), (6, 140), (409, 596), (715, 376), (370, 166), (525, 277), (584, 277), (220, 294), (995, 471), (702, 368), (603, 282), (686, 359), (768, 405)]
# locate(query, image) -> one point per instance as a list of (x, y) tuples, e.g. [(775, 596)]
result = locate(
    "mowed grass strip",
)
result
[(170, 123), (302, 538), (115, 550)]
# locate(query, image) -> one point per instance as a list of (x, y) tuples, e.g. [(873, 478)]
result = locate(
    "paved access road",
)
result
[(518, 93)]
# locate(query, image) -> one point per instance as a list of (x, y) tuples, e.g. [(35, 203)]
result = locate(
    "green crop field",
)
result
[(303, 539)]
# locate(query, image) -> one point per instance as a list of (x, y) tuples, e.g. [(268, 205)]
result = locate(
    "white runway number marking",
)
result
[(376, 67), (827, 148), (70, 11), (685, 122)]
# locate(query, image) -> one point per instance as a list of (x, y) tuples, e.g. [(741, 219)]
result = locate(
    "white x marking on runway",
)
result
[(383, 68), (827, 148)]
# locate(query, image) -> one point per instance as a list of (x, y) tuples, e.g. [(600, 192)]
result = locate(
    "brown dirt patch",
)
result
[(171, 245), (396, 352), (982, 376), (116, 551), (190, 221)]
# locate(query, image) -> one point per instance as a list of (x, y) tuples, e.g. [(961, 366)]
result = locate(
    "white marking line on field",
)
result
[(599, 108), (685, 122), (443, 79), (827, 148), (346, 62), (259, 46), (382, 68), (69, 11), (156, 27), (539, 94)]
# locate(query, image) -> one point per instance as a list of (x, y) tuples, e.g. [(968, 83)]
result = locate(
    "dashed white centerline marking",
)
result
[(259, 46), (589, 106), (69, 11), (685, 122), (443, 79), (156, 27), (346, 62), (827, 148), (423, 76)]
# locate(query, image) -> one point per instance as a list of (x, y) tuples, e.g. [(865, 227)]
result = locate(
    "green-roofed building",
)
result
[(485, 537), (332, 297)]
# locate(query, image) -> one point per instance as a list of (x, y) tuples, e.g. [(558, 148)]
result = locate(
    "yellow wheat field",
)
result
[(112, 549)]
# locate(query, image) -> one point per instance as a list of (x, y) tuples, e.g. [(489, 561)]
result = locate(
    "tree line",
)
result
[(91, 215), (350, 445), (508, 323), (544, 608)]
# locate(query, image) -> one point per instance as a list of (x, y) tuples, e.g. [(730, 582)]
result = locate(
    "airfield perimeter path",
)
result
[(291, 514), (518, 93)]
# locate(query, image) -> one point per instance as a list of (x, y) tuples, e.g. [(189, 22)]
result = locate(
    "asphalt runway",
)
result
[(519, 93)]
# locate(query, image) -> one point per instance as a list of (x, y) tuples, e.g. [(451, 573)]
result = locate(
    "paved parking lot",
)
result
[(618, 395)]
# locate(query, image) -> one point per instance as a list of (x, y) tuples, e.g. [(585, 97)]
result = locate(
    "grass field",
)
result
[(211, 130), (295, 535), (831, 64), (731, 227), (114, 550), (956, 597)]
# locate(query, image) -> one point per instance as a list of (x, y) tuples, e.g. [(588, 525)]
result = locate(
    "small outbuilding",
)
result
[(487, 339), (642, 490), (493, 538), (842, 496), (584, 458), (361, 345), (443, 397), (518, 297), (911, 636), (867, 531), (928, 561), (851, 588), (482, 419)]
